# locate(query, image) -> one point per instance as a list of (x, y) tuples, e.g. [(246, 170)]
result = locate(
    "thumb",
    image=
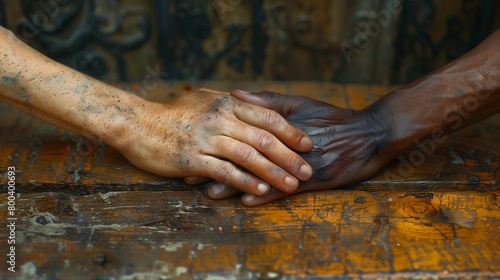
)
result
[(283, 104)]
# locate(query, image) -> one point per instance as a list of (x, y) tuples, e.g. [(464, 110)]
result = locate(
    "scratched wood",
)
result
[(84, 212)]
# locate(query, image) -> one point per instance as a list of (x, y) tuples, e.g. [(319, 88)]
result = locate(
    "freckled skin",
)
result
[(350, 146), (153, 136), (211, 126)]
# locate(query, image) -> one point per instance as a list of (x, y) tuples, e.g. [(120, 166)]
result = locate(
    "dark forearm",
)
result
[(350, 146), (454, 96)]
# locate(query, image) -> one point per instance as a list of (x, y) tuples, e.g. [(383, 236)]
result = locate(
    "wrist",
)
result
[(380, 125), (409, 119), (115, 125)]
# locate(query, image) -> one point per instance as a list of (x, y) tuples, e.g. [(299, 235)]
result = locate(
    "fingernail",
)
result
[(242, 91), (290, 183), (306, 144), (305, 172), (217, 189), (248, 198), (263, 188), (190, 180)]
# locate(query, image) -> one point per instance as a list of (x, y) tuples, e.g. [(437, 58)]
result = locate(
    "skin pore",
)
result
[(205, 133), (350, 146)]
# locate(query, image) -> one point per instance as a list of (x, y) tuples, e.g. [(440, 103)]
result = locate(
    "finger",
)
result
[(273, 122), (249, 150), (218, 190), (225, 172), (249, 158), (283, 104), (196, 180), (252, 200)]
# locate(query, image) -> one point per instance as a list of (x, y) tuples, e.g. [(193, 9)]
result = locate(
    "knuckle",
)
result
[(245, 181), (264, 139), (271, 118), (225, 101), (293, 159), (292, 131), (228, 98), (244, 153), (220, 104), (223, 172)]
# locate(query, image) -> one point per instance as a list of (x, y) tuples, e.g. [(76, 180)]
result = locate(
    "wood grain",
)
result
[(84, 212)]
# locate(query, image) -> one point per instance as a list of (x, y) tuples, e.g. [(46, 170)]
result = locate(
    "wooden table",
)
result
[(85, 212)]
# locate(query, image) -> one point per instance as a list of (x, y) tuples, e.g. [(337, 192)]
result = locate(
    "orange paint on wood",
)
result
[(96, 215)]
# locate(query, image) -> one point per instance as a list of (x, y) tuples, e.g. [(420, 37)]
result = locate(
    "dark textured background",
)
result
[(253, 39)]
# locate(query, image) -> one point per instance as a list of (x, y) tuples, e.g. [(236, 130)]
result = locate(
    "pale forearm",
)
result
[(198, 135), (59, 95)]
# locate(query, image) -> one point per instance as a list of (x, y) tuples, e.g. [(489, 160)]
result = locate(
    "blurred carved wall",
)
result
[(368, 41)]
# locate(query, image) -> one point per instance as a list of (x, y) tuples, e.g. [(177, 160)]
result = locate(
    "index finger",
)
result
[(273, 122)]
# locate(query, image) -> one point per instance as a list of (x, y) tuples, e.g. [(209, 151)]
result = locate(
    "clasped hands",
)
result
[(246, 144), (349, 145), (262, 144)]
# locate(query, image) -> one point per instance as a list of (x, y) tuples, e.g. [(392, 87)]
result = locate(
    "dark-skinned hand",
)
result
[(349, 146)]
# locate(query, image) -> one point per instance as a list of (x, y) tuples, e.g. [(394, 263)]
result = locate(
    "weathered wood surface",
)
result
[(84, 212)]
